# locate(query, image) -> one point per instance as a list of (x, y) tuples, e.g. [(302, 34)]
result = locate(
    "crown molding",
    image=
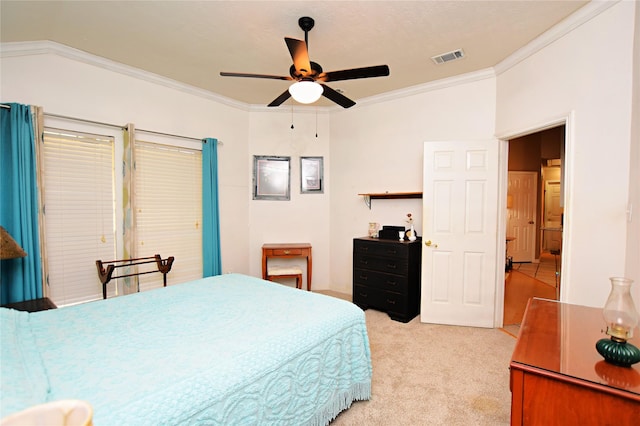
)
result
[(564, 27), (582, 15), (298, 109), (429, 87), (392, 95), (28, 48)]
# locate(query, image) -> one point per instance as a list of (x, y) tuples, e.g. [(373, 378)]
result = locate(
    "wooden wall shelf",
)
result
[(388, 196)]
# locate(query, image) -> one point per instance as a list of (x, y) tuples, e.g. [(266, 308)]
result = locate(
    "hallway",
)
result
[(544, 271), (525, 281)]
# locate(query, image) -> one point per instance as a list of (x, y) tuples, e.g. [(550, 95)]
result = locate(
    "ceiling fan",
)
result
[(309, 77)]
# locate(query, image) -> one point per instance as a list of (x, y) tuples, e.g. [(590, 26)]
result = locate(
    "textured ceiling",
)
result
[(192, 41)]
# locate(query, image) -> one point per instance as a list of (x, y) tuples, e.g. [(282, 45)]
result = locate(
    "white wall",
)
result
[(77, 89), (71, 88), (379, 147), (633, 234), (586, 75), (306, 217)]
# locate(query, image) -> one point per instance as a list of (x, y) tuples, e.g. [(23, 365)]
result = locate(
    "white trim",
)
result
[(582, 15), (568, 120), (564, 27), (11, 49), (539, 126), (501, 242), (298, 109), (429, 87)]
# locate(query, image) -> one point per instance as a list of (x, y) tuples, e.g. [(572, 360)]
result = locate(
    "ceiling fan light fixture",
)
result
[(306, 92)]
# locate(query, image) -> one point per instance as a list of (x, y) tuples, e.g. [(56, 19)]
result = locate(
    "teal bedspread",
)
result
[(225, 350)]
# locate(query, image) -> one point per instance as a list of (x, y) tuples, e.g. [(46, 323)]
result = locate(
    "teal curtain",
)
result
[(211, 257), (20, 279)]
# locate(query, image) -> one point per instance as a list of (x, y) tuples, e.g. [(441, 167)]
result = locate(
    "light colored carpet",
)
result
[(426, 374)]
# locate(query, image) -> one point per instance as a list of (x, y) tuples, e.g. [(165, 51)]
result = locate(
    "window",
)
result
[(79, 210), (83, 199), (168, 209)]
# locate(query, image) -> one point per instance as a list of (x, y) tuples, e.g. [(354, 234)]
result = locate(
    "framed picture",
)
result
[(271, 178), (311, 175)]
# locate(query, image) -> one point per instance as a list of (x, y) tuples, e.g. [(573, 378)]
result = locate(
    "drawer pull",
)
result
[(364, 277), (391, 302), (287, 252), (392, 265), (363, 294), (392, 251), (392, 283), (364, 262)]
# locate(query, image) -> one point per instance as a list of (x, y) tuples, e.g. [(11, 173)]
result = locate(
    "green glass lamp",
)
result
[(621, 317)]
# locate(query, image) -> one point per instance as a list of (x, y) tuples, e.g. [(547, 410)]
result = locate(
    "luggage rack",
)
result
[(106, 274)]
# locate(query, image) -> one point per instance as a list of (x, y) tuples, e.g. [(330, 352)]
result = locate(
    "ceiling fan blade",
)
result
[(336, 97), (299, 54), (240, 74), (352, 74), (280, 99)]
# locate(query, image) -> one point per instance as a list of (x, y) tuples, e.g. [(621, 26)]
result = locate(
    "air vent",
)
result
[(448, 57)]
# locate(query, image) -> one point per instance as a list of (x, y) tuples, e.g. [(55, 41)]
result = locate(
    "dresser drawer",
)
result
[(381, 280), (387, 301), (381, 248), (390, 265)]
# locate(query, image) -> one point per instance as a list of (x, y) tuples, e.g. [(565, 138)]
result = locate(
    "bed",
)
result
[(223, 350)]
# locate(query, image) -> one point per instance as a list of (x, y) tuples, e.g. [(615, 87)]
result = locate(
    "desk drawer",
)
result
[(381, 280), (287, 252)]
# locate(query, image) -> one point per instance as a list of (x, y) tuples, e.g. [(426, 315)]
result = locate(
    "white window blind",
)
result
[(168, 210), (79, 205)]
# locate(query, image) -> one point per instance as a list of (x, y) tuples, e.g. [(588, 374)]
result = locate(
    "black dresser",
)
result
[(386, 276)]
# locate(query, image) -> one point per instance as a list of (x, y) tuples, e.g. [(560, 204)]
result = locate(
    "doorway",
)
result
[(522, 191), (539, 154)]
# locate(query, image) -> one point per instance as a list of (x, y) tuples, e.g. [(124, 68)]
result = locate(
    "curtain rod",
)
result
[(64, 117), (171, 135), (5, 106)]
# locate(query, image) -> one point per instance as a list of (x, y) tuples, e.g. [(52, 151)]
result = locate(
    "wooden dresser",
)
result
[(558, 377), (386, 276)]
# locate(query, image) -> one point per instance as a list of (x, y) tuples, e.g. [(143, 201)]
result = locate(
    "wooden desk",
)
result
[(558, 377), (287, 250)]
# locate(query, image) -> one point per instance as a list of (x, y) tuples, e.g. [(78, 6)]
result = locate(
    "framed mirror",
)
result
[(311, 175), (271, 178)]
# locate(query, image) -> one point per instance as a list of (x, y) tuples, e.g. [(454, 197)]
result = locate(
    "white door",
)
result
[(521, 217), (460, 202), (552, 235)]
